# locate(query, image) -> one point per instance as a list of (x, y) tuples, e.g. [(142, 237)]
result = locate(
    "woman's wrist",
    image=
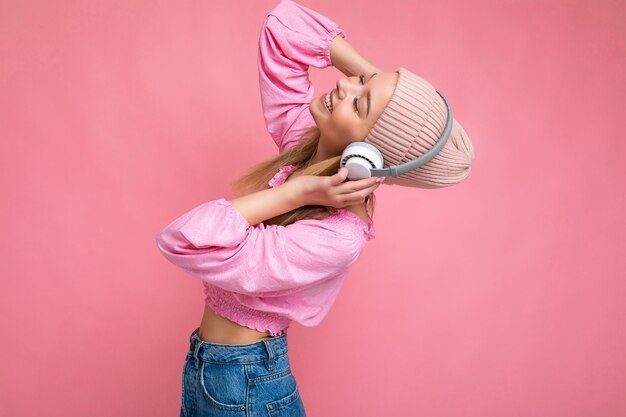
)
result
[(293, 193), (347, 60), (266, 204)]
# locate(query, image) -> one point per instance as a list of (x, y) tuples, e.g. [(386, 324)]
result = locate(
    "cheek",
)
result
[(350, 128), (343, 120)]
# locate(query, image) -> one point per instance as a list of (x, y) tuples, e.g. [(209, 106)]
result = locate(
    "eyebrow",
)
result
[(369, 97)]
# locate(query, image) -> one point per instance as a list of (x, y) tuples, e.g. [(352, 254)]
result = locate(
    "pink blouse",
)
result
[(265, 276)]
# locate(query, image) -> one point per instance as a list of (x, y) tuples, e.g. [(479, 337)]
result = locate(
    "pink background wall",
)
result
[(503, 296)]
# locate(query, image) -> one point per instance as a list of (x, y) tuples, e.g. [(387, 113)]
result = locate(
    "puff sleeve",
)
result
[(215, 243), (292, 38)]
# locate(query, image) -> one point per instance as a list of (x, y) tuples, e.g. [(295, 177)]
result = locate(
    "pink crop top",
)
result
[(265, 276)]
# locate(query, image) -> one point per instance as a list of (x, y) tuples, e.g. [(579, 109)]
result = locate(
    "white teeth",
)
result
[(329, 105)]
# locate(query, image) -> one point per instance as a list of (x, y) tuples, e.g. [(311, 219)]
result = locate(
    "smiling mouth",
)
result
[(328, 103)]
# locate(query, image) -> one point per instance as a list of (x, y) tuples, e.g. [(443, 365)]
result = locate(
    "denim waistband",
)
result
[(228, 353)]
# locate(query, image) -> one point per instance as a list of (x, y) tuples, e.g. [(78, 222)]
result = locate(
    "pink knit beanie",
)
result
[(410, 125)]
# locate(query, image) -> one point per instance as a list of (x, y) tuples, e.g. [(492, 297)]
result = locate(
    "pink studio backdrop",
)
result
[(502, 296)]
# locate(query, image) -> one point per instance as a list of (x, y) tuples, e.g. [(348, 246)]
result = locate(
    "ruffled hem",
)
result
[(281, 176), (325, 48)]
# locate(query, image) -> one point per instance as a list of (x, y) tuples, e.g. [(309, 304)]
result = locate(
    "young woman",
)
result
[(280, 251)]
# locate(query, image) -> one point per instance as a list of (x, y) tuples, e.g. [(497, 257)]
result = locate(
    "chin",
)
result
[(314, 112)]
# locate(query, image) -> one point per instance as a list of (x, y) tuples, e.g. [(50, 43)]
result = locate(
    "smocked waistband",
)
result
[(226, 305)]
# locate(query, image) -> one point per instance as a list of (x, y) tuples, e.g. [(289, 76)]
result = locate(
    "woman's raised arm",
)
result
[(347, 60), (331, 190), (292, 39)]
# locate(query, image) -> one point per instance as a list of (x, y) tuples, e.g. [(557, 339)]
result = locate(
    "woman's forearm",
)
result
[(347, 60), (265, 204)]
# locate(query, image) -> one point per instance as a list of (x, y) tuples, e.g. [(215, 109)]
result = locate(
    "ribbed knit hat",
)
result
[(410, 125)]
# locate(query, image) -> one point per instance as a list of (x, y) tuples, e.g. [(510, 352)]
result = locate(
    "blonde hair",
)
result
[(256, 178)]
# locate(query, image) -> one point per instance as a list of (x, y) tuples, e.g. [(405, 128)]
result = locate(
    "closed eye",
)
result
[(356, 104)]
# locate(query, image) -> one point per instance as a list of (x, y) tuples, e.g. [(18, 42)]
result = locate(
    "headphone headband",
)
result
[(397, 170)]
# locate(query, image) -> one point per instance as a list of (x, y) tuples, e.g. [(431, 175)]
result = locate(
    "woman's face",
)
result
[(352, 115)]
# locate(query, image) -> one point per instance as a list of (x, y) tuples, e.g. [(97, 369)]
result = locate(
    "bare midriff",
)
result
[(217, 329)]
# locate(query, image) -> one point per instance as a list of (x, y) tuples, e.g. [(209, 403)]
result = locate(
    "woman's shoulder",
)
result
[(360, 210), (357, 215)]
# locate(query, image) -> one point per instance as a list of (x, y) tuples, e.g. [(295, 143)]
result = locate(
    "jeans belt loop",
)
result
[(270, 360), (196, 348)]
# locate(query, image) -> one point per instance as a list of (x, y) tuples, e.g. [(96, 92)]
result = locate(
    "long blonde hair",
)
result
[(256, 178)]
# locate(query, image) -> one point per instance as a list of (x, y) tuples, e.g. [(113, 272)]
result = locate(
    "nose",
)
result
[(347, 85)]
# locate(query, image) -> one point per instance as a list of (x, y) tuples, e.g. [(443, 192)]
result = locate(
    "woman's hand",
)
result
[(333, 190)]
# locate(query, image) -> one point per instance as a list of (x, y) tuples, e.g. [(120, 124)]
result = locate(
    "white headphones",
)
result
[(364, 160)]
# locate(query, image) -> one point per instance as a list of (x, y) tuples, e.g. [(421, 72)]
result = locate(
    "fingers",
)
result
[(371, 189), (356, 185), (354, 191), (340, 176), (360, 195)]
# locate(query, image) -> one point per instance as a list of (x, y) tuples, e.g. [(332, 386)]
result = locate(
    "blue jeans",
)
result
[(251, 380)]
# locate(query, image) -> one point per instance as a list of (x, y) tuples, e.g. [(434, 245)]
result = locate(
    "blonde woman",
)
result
[(280, 250)]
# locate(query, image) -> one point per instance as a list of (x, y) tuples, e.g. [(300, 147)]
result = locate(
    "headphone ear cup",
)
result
[(360, 158)]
